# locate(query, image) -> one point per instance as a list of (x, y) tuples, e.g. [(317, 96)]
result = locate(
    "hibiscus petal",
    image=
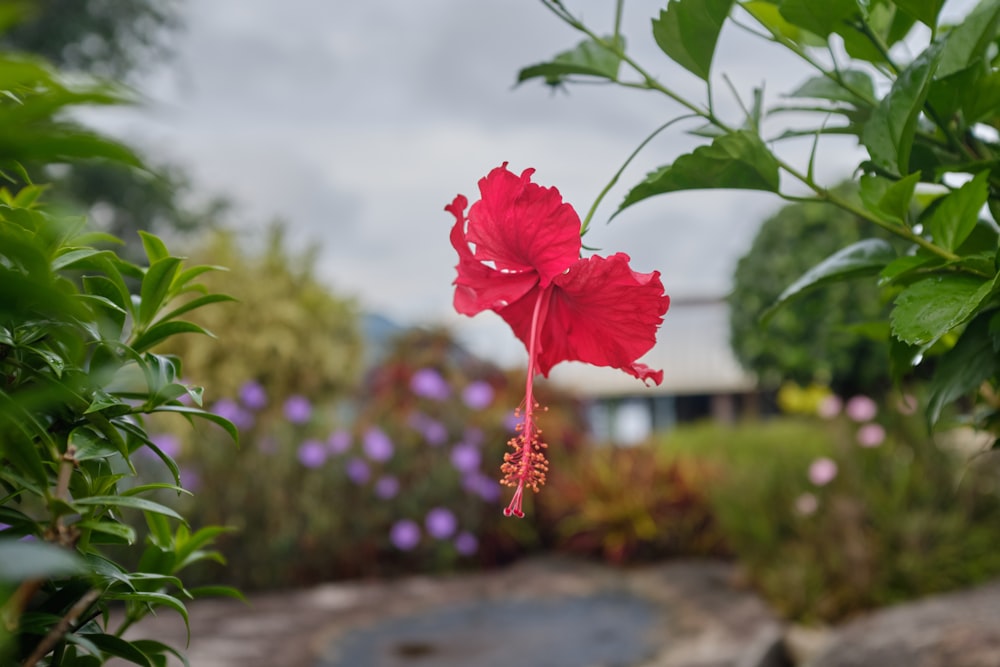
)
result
[(479, 287), (600, 312), (521, 226)]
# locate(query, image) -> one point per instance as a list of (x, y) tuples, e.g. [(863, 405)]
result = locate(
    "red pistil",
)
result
[(526, 465)]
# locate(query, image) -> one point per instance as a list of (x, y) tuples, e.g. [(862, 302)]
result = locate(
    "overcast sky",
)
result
[(356, 122)]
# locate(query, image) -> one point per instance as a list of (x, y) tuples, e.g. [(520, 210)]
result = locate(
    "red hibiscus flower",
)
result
[(519, 256)]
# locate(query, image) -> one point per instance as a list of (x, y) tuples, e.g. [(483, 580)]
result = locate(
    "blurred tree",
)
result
[(115, 39), (811, 339), (288, 332), (110, 38)]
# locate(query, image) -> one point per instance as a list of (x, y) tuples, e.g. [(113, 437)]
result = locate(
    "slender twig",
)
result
[(62, 627)]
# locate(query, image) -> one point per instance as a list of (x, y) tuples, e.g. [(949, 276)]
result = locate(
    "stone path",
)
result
[(539, 613)]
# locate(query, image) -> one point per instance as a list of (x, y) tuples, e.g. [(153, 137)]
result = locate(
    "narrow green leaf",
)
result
[(588, 58), (20, 561), (122, 531), (157, 599), (955, 217), (737, 160), (155, 287), (903, 267), (930, 308), (866, 257), (163, 330), (131, 502), (67, 259), (89, 444), (217, 591), (152, 647), (194, 304), (888, 134), (963, 368), (118, 647), (687, 31), (227, 425)]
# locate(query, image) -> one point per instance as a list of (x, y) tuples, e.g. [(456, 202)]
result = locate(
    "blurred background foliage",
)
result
[(811, 339)]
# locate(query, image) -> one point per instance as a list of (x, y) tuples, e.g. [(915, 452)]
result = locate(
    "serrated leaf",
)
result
[(925, 11), (131, 502), (687, 31), (902, 267), (888, 134), (820, 18), (955, 217), (969, 41), (855, 87), (866, 257), (20, 561), (588, 58), (737, 160), (930, 308), (963, 368)]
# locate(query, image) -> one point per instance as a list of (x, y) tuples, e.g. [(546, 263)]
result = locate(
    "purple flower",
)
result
[(829, 407), (861, 409), (231, 410), (377, 445), (404, 534), (386, 487), (485, 487), (312, 453), (298, 409), (478, 395), (338, 442), (465, 457), (428, 383), (358, 471), (168, 443), (190, 479), (440, 523), (253, 395), (434, 432), (466, 543), (822, 471), (871, 435)]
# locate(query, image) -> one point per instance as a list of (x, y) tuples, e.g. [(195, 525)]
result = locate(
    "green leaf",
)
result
[(154, 247), (589, 58), (118, 647), (888, 134), (925, 11), (955, 217), (767, 14), (67, 259), (20, 561), (891, 199), (216, 592), (227, 425), (820, 18), (854, 87), (930, 308), (194, 304), (131, 502), (735, 160), (163, 330), (688, 30), (152, 647), (903, 267), (964, 367), (89, 444), (156, 599), (116, 529), (155, 287), (968, 41), (863, 258)]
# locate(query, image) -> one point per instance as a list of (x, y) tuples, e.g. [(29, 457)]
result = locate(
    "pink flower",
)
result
[(829, 407), (871, 435), (861, 409), (806, 504), (822, 471)]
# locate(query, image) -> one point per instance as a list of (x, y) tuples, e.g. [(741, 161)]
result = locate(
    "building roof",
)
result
[(692, 349)]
